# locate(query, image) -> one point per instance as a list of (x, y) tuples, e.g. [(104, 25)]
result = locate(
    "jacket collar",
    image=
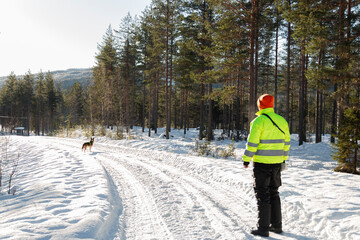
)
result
[(266, 110)]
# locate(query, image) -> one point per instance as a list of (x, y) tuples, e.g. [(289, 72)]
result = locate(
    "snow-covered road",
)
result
[(120, 191), (166, 196)]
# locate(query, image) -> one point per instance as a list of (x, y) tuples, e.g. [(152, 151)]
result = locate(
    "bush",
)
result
[(229, 151), (89, 131), (205, 149), (102, 131)]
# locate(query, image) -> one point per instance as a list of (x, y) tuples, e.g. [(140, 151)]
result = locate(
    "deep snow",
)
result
[(153, 188)]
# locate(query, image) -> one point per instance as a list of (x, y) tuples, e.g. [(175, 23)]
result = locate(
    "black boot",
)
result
[(275, 230), (264, 220), (260, 232)]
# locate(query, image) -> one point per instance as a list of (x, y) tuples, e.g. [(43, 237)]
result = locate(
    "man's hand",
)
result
[(246, 164)]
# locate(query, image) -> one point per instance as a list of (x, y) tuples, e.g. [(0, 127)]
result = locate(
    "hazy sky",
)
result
[(57, 34)]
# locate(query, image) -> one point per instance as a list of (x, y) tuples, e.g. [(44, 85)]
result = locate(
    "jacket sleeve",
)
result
[(253, 140), (287, 143)]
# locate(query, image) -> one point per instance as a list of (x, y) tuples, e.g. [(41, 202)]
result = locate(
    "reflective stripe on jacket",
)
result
[(266, 143)]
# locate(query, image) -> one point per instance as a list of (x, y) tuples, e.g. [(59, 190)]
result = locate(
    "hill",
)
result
[(66, 78)]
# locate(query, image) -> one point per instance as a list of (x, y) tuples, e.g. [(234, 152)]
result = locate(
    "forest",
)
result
[(203, 64)]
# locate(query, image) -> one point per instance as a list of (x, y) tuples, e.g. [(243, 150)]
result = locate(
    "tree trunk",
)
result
[(291, 112), (182, 108), (237, 109), (143, 107), (127, 83), (43, 124), (167, 79), (323, 114), (210, 135), (176, 116), (202, 111), (318, 114), (256, 64), (252, 100), (302, 118), (28, 117), (287, 109), (334, 117), (171, 78), (187, 109), (317, 117), (276, 59), (156, 103), (38, 120), (149, 111), (230, 120), (224, 119)]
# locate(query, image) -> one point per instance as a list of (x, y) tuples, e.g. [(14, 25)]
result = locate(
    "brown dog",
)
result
[(88, 144)]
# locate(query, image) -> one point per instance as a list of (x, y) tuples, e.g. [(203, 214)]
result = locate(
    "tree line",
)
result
[(36, 103), (203, 63)]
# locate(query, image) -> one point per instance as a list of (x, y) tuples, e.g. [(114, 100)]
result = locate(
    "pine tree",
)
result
[(105, 85), (348, 89), (128, 70), (187, 62), (27, 94), (51, 101), (231, 41), (347, 147), (305, 16), (143, 40), (153, 27), (75, 102), (202, 19), (9, 102), (40, 102)]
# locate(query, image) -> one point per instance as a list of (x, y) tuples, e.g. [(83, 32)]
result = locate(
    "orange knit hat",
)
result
[(265, 101)]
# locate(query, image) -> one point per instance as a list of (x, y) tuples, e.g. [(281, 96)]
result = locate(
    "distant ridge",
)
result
[(65, 78)]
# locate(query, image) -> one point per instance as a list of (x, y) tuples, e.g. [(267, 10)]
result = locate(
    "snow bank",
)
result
[(60, 193)]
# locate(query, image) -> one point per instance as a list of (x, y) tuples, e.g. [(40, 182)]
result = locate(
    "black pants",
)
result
[(267, 181)]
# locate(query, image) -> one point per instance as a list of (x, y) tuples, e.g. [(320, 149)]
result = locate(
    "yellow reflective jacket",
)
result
[(266, 143)]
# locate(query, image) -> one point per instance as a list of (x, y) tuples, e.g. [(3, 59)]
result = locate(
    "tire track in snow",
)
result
[(220, 206), (224, 222), (189, 212), (115, 221), (139, 207)]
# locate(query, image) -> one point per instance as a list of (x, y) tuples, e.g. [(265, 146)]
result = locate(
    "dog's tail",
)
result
[(83, 147)]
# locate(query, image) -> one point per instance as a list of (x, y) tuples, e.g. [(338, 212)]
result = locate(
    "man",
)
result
[(268, 146)]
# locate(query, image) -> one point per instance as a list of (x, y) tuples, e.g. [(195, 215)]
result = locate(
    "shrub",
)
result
[(229, 151), (205, 149), (101, 131)]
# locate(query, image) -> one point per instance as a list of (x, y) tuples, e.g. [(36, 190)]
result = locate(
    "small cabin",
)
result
[(18, 131)]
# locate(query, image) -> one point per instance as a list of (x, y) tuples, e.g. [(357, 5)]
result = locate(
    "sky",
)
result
[(51, 35)]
